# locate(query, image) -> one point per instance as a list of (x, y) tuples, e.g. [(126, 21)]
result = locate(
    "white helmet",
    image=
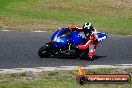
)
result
[(88, 26)]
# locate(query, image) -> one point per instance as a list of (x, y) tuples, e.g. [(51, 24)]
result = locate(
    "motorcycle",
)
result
[(64, 42)]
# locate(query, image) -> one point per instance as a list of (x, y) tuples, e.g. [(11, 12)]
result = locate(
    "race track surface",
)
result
[(19, 50)]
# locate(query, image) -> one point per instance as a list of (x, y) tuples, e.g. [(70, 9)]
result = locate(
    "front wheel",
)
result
[(44, 51)]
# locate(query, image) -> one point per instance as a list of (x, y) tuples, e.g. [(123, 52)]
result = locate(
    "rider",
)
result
[(91, 36)]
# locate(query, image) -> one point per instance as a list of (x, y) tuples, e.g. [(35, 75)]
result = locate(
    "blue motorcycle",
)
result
[(64, 42)]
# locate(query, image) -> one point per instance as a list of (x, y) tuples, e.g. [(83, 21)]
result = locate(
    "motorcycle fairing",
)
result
[(61, 37)]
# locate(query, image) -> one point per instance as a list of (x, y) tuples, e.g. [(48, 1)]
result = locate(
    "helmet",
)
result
[(88, 27)]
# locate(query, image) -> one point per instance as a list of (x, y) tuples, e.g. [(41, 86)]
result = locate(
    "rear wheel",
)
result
[(83, 56)]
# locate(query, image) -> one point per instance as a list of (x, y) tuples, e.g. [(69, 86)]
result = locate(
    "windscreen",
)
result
[(65, 33)]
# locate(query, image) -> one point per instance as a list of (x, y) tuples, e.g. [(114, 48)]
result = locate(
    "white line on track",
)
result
[(5, 30), (39, 31), (31, 31), (40, 69)]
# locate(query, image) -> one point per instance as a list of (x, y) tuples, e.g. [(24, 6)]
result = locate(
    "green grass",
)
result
[(51, 14), (56, 79)]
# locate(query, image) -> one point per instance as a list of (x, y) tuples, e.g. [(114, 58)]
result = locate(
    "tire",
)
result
[(83, 56), (81, 80), (44, 51)]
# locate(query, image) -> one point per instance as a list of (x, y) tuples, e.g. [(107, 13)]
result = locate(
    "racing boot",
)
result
[(90, 58)]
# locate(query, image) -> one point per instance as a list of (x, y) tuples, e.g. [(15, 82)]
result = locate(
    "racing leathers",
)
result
[(92, 40)]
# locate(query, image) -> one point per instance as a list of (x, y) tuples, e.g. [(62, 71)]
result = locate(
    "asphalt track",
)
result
[(19, 50)]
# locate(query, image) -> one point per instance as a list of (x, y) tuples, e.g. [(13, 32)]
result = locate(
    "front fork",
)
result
[(69, 47)]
